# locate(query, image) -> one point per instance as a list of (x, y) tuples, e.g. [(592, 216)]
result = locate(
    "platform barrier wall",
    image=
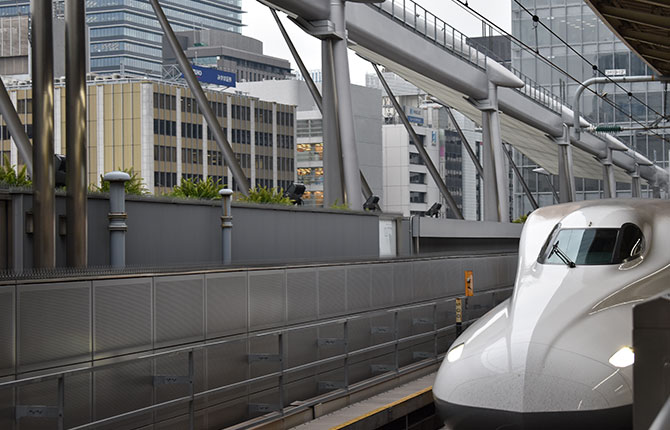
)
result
[(167, 232), (255, 315)]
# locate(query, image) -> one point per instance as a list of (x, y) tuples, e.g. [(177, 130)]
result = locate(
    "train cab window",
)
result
[(592, 246), (631, 242)]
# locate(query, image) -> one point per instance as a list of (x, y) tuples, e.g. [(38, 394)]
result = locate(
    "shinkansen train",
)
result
[(558, 353)]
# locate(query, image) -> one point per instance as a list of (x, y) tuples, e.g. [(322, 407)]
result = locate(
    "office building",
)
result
[(576, 23), (228, 51), (15, 47), (408, 187), (125, 36), (366, 104), (156, 128)]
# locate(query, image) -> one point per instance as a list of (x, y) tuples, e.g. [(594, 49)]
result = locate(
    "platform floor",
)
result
[(381, 404)]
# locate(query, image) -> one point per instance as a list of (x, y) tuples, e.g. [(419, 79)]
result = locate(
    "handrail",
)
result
[(280, 333), (418, 19)]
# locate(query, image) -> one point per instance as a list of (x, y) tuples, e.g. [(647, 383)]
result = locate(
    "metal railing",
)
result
[(419, 359), (426, 24)]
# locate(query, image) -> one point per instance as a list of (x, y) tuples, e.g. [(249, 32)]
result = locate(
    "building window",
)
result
[(415, 158), (417, 197), (417, 178)]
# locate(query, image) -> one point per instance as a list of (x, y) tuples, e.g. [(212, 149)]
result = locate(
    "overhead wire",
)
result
[(472, 11), (595, 67)]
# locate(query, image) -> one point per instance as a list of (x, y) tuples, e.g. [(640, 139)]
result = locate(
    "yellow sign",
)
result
[(469, 284)]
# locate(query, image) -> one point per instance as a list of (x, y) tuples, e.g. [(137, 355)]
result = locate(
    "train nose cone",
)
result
[(530, 385)]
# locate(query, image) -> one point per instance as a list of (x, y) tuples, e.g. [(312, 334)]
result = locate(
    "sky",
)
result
[(260, 25)]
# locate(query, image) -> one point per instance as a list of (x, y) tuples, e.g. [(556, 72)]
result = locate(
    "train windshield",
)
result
[(592, 246)]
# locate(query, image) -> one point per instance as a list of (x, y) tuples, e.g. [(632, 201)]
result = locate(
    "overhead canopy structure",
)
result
[(643, 25), (410, 41)]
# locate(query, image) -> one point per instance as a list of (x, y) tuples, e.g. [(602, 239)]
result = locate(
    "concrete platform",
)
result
[(378, 410)]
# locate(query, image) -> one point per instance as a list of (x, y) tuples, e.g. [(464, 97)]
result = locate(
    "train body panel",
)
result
[(548, 352)]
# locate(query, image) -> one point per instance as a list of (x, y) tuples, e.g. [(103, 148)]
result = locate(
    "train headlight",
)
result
[(455, 353), (624, 357)]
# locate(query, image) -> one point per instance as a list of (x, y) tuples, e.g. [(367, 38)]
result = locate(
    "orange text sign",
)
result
[(469, 284)]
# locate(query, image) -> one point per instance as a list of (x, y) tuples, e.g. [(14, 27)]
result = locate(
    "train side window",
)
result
[(631, 242)]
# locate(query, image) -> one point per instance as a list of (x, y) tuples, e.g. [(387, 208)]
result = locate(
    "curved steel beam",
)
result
[(388, 37)]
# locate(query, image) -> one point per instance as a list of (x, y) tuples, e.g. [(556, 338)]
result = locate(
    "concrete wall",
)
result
[(165, 232)]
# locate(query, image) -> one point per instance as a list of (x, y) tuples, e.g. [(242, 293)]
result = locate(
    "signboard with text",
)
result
[(214, 76)]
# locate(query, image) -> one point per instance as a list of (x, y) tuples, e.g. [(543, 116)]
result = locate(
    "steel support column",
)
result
[(15, 128), (496, 206), (609, 184), (75, 102), (241, 181), (419, 146), (44, 203), (351, 169), (519, 176), (333, 185), (636, 185), (314, 91), (566, 177), (490, 197), (498, 157)]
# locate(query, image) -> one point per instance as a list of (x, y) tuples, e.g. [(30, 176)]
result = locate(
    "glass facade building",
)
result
[(575, 23), (125, 36)]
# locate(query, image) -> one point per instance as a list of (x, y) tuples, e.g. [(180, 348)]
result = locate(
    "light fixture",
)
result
[(624, 357), (371, 204), (455, 353), (434, 210), (295, 192)]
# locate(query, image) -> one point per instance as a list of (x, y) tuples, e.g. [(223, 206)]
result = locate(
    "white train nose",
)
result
[(527, 382)]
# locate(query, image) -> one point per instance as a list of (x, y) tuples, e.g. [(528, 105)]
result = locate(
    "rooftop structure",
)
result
[(229, 51), (125, 36)]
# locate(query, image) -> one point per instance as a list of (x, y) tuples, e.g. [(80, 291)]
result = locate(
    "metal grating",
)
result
[(7, 342), (402, 283), (263, 345), (227, 414), (222, 298), (301, 291), (179, 309), (422, 280), (54, 324), (123, 389), (122, 315), (454, 277), (301, 347), (177, 365), (381, 285), (226, 304), (358, 288), (331, 292), (267, 299), (227, 364), (77, 402), (6, 406), (436, 278), (360, 333)]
